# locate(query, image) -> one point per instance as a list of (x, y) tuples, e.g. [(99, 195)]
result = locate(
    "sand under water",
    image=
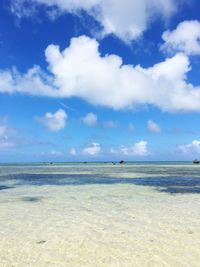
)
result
[(75, 215)]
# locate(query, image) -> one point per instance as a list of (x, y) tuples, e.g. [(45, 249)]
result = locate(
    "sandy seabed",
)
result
[(120, 221)]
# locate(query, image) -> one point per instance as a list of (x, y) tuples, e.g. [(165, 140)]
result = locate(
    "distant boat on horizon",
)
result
[(196, 161)]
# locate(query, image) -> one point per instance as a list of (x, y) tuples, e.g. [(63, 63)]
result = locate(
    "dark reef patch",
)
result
[(4, 187), (177, 182), (31, 199)]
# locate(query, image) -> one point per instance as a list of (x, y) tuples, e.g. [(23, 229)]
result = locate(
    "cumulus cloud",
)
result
[(126, 19), (54, 121), (90, 119), (93, 149), (73, 152), (81, 71), (153, 127), (191, 148), (138, 149), (185, 38)]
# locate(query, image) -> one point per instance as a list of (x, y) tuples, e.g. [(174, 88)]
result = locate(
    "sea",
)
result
[(100, 214)]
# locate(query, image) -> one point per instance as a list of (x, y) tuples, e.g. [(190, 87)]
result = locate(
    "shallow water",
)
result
[(142, 214)]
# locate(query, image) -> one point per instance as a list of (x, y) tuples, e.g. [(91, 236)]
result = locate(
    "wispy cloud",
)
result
[(153, 127), (67, 107)]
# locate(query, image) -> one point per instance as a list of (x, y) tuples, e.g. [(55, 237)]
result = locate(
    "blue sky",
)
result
[(98, 80)]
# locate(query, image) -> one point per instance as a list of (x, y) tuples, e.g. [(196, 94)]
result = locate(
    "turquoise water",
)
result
[(100, 214)]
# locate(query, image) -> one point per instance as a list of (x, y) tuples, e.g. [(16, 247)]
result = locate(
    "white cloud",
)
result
[(185, 38), (54, 121), (73, 152), (81, 71), (93, 149), (90, 119), (153, 127), (138, 149), (34, 82), (126, 19), (21, 8), (192, 148)]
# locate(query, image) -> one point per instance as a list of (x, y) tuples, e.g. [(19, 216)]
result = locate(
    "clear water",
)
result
[(138, 214)]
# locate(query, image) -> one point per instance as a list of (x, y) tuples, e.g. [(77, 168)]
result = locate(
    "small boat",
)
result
[(195, 161)]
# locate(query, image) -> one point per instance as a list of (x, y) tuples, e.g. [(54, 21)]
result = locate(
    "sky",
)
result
[(99, 80)]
